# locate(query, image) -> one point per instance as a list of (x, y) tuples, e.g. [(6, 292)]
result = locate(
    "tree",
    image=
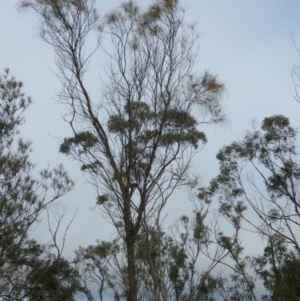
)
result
[(137, 143), (96, 264), (260, 175), (167, 265), (273, 155), (37, 274), (26, 267), (279, 269)]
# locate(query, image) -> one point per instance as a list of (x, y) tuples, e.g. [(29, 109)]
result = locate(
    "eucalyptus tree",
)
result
[(279, 269), (136, 144), (270, 159), (167, 264), (23, 197), (258, 191), (99, 265)]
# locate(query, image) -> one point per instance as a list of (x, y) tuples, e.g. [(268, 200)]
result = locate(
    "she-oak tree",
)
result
[(137, 143)]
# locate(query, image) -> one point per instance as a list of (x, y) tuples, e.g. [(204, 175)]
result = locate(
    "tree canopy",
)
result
[(28, 270), (137, 143), (135, 136)]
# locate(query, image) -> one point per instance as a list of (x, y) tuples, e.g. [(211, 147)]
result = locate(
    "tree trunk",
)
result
[(132, 285), (130, 248)]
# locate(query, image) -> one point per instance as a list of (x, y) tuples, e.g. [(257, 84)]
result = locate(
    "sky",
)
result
[(247, 43)]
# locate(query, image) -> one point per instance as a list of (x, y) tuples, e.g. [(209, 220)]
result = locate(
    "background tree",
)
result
[(172, 260), (98, 265), (261, 172), (279, 269), (27, 269), (273, 155), (137, 143), (169, 266)]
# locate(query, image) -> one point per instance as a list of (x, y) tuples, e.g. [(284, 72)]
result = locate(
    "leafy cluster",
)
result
[(28, 270)]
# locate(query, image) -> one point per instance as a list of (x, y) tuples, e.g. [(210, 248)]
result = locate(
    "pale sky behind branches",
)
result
[(247, 43)]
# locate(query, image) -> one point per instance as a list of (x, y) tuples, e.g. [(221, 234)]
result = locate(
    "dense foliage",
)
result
[(28, 270)]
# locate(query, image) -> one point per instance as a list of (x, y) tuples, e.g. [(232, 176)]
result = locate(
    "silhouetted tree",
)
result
[(28, 271), (137, 143), (260, 175)]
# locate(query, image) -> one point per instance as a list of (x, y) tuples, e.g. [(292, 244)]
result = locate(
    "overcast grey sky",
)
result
[(247, 43)]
